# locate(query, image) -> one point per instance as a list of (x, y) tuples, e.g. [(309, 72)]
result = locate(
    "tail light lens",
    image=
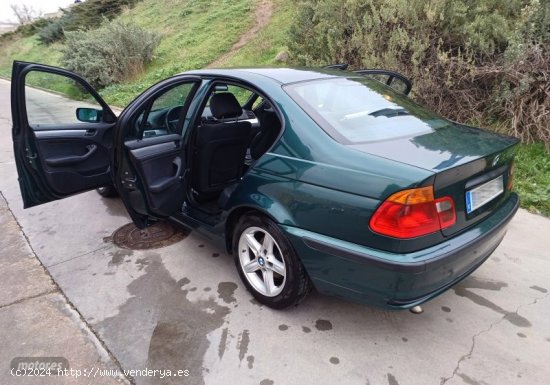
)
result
[(446, 212), (413, 213)]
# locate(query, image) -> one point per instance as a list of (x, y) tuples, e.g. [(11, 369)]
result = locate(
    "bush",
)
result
[(24, 30), (111, 54), (484, 62), (52, 32), (30, 29), (82, 16), (91, 13)]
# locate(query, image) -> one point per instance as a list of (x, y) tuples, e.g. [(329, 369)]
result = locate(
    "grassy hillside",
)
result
[(194, 33), (270, 40), (28, 49)]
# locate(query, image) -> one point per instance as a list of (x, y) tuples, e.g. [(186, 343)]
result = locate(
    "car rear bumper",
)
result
[(398, 281)]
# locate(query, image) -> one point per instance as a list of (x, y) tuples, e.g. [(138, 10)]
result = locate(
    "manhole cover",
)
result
[(153, 237)]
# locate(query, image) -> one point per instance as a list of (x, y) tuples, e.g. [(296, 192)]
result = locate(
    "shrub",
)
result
[(23, 30), (91, 13), (52, 32), (30, 29), (110, 54), (82, 16), (484, 61)]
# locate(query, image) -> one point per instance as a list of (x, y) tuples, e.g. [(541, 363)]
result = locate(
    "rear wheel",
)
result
[(267, 263), (107, 191)]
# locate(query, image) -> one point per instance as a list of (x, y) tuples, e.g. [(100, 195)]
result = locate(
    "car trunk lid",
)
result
[(469, 165)]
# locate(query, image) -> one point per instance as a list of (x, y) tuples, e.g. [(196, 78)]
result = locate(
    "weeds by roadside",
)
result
[(532, 178)]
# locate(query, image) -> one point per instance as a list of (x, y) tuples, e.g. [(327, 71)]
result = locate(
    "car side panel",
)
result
[(319, 209), (294, 203)]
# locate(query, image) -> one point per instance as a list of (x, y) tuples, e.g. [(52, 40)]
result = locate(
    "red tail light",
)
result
[(413, 213)]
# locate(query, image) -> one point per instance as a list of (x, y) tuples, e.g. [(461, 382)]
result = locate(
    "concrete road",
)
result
[(36, 320), (183, 307)]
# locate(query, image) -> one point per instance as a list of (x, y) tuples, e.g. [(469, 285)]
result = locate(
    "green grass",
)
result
[(194, 33), (197, 32), (27, 49), (271, 40), (532, 178)]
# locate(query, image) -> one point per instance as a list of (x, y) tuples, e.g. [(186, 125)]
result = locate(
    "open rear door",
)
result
[(62, 133)]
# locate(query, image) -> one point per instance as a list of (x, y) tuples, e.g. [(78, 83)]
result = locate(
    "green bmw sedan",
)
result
[(310, 178)]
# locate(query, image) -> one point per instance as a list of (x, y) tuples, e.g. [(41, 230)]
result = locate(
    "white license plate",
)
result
[(477, 197)]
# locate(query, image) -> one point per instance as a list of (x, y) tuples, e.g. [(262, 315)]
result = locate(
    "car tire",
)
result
[(107, 191), (267, 263)]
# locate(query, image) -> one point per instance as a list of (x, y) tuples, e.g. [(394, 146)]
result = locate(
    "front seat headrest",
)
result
[(225, 105)]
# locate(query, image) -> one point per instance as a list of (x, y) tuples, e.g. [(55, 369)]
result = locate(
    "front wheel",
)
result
[(267, 263)]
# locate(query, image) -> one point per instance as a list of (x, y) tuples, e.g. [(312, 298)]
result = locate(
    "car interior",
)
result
[(230, 136), (235, 127)]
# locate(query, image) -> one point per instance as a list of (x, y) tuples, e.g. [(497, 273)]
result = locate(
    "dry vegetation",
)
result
[(485, 62)]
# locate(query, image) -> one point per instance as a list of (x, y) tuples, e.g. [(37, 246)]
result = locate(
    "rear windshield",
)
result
[(357, 110)]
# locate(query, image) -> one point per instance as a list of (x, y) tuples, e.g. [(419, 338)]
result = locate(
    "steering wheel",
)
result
[(172, 117)]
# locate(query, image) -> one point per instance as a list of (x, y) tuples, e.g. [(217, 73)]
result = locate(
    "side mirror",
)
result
[(89, 115)]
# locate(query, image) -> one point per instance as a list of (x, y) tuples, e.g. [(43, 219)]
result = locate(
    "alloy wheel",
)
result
[(262, 261)]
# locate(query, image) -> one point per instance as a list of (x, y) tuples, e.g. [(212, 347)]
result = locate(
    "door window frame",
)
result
[(208, 88), (144, 102), (107, 117), (183, 113)]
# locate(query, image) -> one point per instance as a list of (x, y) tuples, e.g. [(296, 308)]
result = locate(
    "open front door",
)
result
[(151, 160), (62, 133)]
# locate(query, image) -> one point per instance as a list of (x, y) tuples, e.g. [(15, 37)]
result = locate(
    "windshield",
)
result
[(356, 110)]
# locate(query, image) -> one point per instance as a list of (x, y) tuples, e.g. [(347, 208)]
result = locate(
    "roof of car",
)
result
[(280, 75)]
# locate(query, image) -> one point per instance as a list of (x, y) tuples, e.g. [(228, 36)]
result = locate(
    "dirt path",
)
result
[(263, 13)]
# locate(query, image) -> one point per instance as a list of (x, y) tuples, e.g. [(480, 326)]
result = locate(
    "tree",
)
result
[(24, 13)]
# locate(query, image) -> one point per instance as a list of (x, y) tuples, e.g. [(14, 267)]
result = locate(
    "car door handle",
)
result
[(72, 159), (90, 132), (167, 182)]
